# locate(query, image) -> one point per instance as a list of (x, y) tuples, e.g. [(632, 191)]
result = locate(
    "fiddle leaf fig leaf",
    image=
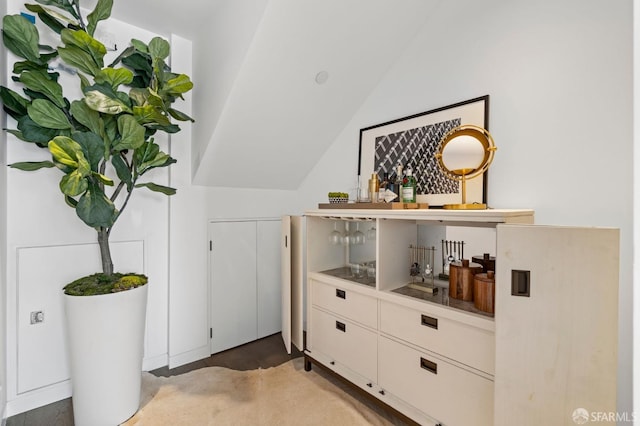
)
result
[(21, 37), (92, 147), (104, 179), (122, 170), (42, 82), (61, 4), (95, 209), (159, 48), (87, 117), (178, 85), (47, 115), (114, 77), (14, 104), (181, 116), (103, 98), (100, 13), (79, 59), (131, 133), (33, 132), (139, 45), (166, 190), (54, 20), (67, 152), (73, 184), (149, 114), (77, 41), (30, 166)]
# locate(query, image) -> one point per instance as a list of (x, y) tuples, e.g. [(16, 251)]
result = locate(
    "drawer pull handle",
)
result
[(332, 362), (341, 294), (341, 326), (370, 385), (430, 366), (430, 322), (381, 392)]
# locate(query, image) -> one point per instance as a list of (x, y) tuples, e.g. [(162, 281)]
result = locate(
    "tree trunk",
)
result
[(105, 251)]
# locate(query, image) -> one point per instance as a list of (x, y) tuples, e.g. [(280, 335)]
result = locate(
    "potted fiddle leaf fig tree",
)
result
[(103, 144)]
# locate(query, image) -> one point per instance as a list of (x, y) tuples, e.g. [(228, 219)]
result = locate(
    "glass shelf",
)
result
[(346, 274)]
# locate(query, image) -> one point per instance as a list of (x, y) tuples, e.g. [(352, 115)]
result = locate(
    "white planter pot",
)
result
[(106, 344)]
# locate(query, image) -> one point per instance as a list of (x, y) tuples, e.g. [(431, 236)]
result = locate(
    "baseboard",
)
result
[(38, 398), (151, 363), (190, 356)]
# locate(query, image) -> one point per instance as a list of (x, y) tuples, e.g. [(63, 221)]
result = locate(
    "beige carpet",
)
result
[(283, 395)]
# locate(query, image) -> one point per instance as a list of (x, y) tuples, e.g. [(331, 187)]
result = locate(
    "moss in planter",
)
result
[(104, 284)]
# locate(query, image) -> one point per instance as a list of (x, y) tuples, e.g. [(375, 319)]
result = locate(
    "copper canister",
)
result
[(487, 261), (461, 279), (484, 291)]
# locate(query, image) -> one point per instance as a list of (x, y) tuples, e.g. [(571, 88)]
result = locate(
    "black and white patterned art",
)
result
[(416, 148)]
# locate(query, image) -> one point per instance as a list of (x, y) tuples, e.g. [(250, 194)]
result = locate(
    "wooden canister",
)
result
[(461, 279), (487, 261), (484, 291)]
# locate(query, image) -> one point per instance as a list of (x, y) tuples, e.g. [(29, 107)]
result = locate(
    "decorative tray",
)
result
[(384, 206)]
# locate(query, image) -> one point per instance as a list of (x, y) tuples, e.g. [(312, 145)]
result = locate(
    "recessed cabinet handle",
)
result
[(341, 294), (430, 322), (341, 326), (430, 366)]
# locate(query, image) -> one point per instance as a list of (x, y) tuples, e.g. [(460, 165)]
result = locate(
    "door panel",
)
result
[(285, 271), (268, 277), (233, 284), (556, 348)]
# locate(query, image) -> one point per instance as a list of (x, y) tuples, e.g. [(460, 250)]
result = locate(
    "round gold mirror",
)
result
[(466, 152)]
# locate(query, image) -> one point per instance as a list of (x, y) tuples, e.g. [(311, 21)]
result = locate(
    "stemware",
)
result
[(371, 233), (358, 235), (335, 237)]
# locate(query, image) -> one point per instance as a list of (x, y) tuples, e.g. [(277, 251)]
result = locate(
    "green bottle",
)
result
[(409, 187)]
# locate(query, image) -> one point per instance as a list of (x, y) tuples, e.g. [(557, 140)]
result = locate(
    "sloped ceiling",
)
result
[(277, 80)]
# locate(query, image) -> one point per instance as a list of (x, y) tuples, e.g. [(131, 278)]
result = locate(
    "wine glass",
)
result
[(358, 235), (335, 237), (371, 233)]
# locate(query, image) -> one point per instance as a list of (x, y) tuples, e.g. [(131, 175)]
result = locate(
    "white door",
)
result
[(268, 270), (556, 324), (292, 272), (297, 281), (285, 271), (233, 284)]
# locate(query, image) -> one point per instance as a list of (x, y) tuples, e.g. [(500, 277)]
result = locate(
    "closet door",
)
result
[(233, 284), (268, 276), (292, 280)]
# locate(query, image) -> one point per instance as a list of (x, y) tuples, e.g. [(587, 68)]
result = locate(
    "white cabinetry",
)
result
[(551, 347), (245, 299)]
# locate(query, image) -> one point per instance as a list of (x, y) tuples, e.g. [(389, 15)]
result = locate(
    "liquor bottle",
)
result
[(398, 182), (409, 187), (385, 181)]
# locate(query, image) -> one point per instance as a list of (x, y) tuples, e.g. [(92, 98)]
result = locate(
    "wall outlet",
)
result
[(37, 317)]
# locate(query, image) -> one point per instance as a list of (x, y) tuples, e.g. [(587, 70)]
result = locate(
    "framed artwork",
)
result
[(413, 142)]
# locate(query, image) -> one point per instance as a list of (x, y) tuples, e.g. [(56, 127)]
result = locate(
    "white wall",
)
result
[(559, 74)]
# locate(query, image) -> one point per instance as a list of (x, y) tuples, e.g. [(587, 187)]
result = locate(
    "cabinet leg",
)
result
[(307, 364)]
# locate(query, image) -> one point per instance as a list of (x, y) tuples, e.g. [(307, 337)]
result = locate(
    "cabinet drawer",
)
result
[(345, 342), (464, 343), (349, 304), (444, 391)]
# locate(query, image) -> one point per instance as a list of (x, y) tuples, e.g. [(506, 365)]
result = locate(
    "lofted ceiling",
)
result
[(276, 81)]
